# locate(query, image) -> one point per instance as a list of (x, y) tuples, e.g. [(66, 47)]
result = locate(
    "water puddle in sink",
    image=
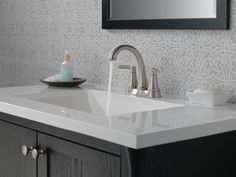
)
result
[(109, 88)]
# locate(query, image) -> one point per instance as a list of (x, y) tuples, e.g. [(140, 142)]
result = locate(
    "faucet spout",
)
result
[(141, 72)]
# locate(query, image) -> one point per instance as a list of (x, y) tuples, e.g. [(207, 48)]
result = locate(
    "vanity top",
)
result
[(134, 130)]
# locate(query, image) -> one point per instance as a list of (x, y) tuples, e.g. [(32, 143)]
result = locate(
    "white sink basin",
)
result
[(96, 102)]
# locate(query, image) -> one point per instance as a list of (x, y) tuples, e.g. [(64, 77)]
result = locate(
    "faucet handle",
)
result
[(131, 68), (155, 70), (124, 67), (153, 88), (133, 82)]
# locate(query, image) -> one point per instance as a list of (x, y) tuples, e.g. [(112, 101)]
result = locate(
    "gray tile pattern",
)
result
[(35, 33)]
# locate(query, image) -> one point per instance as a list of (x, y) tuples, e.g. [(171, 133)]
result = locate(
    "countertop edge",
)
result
[(82, 128), (186, 133)]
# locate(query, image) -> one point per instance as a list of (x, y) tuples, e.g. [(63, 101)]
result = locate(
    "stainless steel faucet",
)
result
[(142, 78), (142, 88)]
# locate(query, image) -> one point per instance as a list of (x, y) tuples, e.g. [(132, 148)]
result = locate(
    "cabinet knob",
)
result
[(25, 150), (36, 153)]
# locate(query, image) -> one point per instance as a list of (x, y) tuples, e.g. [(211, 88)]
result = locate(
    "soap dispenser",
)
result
[(66, 68)]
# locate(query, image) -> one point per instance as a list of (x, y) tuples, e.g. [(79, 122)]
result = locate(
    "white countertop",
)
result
[(137, 130)]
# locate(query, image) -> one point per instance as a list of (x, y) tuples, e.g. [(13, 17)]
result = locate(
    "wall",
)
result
[(35, 33)]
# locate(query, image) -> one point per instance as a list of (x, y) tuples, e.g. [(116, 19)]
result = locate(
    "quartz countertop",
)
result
[(136, 130)]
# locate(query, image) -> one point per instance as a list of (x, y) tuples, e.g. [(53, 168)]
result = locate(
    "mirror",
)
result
[(154, 9), (165, 14)]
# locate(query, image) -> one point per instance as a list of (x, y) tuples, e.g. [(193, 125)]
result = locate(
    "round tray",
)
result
[(75, 83)]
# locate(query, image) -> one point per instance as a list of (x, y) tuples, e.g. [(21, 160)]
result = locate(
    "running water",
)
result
[(109, 89)]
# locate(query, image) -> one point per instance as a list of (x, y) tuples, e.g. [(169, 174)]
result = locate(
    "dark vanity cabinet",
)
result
[(61, 153), (59, 158), (12, 162), (67, 159)]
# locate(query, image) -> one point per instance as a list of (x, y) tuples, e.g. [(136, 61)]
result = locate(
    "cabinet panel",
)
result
[(12, 161), (211, 156), (64, 158)]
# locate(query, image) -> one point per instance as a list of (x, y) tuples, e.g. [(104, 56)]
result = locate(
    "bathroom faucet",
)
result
[(142, 87), (142, 78)]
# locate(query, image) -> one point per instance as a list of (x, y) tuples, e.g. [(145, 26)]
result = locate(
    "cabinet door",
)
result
[(12, 162), (66, 159)]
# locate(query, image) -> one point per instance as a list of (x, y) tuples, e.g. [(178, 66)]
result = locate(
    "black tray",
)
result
[(75, 83)]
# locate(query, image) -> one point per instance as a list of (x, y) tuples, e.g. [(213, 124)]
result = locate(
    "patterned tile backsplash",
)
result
[(35, 33)]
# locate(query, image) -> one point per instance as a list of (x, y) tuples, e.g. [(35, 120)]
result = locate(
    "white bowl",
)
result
[(207, 99)]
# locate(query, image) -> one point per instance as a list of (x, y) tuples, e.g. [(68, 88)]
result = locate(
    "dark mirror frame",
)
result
[(221, 22)]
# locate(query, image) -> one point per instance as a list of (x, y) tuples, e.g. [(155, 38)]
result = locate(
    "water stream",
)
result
[(109, 89)]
